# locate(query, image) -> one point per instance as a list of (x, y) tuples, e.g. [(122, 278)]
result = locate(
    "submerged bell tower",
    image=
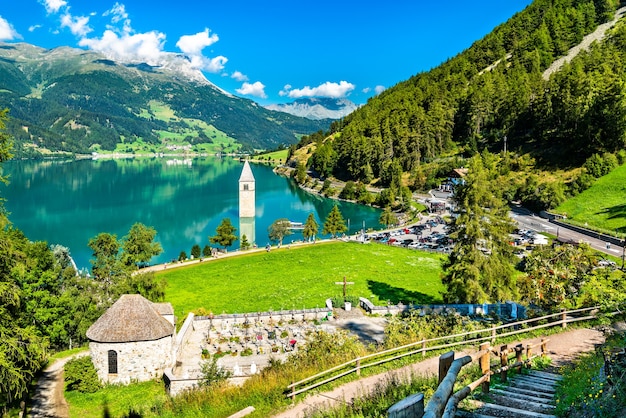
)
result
[(246, 192)]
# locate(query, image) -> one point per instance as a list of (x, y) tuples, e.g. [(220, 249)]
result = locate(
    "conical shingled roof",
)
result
[(131, 318), (246, 173)]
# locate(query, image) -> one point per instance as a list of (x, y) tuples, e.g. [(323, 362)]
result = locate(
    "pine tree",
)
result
[(225, 234), (311, 228), (479, 268), (335, 224), (245, 244)]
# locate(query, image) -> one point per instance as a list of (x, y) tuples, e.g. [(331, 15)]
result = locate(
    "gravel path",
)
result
[(562, 348), (48, 400), (584, 45)]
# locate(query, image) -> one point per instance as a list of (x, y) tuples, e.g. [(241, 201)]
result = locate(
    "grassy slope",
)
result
[(603, 205), (305, 277)]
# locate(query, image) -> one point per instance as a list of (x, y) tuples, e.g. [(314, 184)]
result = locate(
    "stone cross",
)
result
[(344, 283)]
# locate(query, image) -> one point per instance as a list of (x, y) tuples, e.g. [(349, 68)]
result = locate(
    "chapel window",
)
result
[(112, 362)]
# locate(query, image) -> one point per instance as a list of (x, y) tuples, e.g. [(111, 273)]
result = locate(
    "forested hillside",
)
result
[(492, 96), (73, 100)]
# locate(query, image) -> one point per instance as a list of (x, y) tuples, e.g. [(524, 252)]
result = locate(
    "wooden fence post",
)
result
[(544, 351), (519, 349), (493, 334), (529, 352), (445, 361), (484, 365), (504, 360), (358, 366), (563, 319), (423, 348), (293, 392)]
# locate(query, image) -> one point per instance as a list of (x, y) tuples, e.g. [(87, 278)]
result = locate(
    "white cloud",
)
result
[(53, 6), (194, 44), (327, 89), (118, 14), (34, 28), (143, 47), (239, 76), (366, 90), (78, 25), (118, 11), (256, 89), (7, 33), (379, 89), (285, 90)]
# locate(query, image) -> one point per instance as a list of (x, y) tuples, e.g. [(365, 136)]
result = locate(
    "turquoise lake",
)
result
[(69, 202)]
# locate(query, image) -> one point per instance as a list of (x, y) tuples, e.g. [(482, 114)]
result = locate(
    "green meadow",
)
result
[(304, 277), (603, 205)]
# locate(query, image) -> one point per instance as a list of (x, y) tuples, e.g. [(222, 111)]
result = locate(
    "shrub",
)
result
[(80, 375), (212, 373), (182, 256)]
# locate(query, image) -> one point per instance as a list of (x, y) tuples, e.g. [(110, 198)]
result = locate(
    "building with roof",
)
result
[(133, 340)]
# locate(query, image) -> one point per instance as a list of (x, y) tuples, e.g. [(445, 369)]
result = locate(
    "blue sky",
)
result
[(268, 51)]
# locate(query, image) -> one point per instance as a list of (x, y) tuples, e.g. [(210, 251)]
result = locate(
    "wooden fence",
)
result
[(440, 343), (443, 403)]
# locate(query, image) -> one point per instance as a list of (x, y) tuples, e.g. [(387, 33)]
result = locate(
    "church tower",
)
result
[(246, 192)]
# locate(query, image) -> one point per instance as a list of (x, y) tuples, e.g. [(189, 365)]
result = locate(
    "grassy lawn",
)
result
[(304, 277), (117, 399), (603, 205)]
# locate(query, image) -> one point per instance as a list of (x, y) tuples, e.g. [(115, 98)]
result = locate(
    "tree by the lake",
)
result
[(388, 218), (106, 265), (311, 228), (479, 268), (279, 229), (139, 246), (225, 234), (206, 251), (245, 244), (182, 256), (300, 173), (334, 224), (196, 251)]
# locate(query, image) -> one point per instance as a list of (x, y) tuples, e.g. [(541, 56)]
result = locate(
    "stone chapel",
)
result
[(133, 340)]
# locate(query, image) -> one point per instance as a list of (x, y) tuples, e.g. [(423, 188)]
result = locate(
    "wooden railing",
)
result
[(466, 338), (443, 403)]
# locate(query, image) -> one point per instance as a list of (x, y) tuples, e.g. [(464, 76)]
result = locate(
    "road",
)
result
[(528, 220)]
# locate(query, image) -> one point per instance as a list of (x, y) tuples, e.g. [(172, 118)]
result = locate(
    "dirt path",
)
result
[(48, 400), (562, 349)]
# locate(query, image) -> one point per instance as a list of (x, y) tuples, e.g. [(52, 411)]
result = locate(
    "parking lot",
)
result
[(430, 234)]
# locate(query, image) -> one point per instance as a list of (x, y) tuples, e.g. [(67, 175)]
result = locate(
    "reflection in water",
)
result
[(247, 228), (69, 202)]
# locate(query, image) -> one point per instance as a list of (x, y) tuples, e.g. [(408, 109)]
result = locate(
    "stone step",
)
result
[(534, 381), (538, 377), (522, 396), (513, 402), (545, 375), (510, 412), (533, 387)]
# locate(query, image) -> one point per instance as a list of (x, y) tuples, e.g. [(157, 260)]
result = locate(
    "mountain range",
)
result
[(317, 108), (67, 99)]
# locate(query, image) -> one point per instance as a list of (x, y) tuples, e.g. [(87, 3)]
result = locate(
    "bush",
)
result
[(182, 256), (212, 373), (80, 375), (338, 300)]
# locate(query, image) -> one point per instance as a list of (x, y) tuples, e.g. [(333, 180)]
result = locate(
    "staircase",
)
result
[(523, 396)]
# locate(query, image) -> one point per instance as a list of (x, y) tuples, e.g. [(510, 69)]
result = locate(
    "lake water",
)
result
[(69, 202)]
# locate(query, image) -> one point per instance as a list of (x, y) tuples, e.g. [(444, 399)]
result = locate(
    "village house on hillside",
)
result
[(133, 340)]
